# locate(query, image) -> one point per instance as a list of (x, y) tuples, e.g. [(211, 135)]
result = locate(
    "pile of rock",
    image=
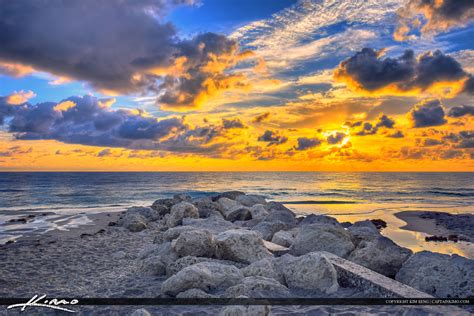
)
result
[(219, 247)]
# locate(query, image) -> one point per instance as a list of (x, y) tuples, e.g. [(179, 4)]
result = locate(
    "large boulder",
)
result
[(268, 229), (156, 259), (381, 255), (180, 211), (319, 237), (134, 222), (241, 245), (319, 219), (184, 262), (232, 210), (198, 243), (438, 274), (285, 238), (213, 224), (182, 197), (205, 206), (250, 200), (312, 271), (167, 203), (263, 268), (258, 212), (363, 230), (207, 276), (258, 287)]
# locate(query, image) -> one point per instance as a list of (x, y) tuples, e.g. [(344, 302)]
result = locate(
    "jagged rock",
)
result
[(147, 212), (285, 238), (258, 211), (438, 274), (198, 243), (277, 206), (251, 199), (232, 210), (160, 209), (182, 197), (167, 203), (187, 261), (180, 211), (258, 287), (319, 237), (309, 272), (380, 255), (214, 225), (206, 276), (363, 230), (262, 268), (229, 194), (319, 219), (268, 229), (174, 232), (134, 222), (205, 206), (153, 266), (140, 312), (241, 245), (194, 293), (157, 258), (281, 215)]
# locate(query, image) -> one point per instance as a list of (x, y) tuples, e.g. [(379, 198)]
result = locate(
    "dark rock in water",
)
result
[(379, 223), (438, 274), (321, 219), (9, 242), (363, 230), (18, 220), (229, 194), (454, 238), (459, 224), (436, 238), (112, 224)]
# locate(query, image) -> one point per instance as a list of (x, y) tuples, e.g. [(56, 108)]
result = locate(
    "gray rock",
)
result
[(229, 194), (232, 210), (153, 266), (241, 245), (381, 255), (134, 222), (251, 200), (311, 272), (157, 259), (206, 276), (119, 255), (234, 310), (184, 262), (205, 206), (198, 243), (363, 230), (319, 219), (174, 232), (258, 211), (212, 224), (268, 229), (438, 274), (285, 238), (194, 293), (319, 237), (182, 197), (276, 206), (258, 287), (264, 268), (161, 208), (180, 211), (140, 312), (147, 212), (285, 216)]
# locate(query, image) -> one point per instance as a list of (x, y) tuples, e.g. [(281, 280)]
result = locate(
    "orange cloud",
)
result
[(21, 97)]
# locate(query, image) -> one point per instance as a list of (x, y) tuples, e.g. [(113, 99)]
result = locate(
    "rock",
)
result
[(263, 268), (212, 224), (157, 259), (180, 211), (258, 211), (318, 237), (232, 210), (285, 216), (234, 310), (206, 276), (205, 206), (276, 249), (438, 274), (198, 243), (194, 293), (174, 232), (241, 245), (268, 229), (258, 287), (119, 255), (147, 212), (140, 312), (285, 238), (319, 219), (436, 238), (182, 263), (381, 255), (229, 194), (277, 206), (379, 223), (167, 203), (182, 197), (363, 230), (153, 266), (165, 250), (133, 222), (251, 199), (310, 272)]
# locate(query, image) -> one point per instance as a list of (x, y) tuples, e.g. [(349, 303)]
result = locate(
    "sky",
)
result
[(227, 85)]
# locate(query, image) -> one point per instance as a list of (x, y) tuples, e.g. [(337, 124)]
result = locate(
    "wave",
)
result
[(319, 202), (450, 193)]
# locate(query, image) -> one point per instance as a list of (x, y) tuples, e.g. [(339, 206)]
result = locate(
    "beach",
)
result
[(163, 250)]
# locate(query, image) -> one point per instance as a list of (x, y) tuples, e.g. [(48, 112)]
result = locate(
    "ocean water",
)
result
[(347, 196)]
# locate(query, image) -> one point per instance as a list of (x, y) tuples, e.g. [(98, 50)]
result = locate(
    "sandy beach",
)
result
[(147, 251)]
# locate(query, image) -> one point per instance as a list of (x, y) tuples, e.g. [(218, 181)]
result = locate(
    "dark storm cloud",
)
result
[(462, 110), (368, 128), (272, 137), (336, 138), (367, 70), (305, 143), (428, 142), (428, 113), (397, 134), (261, 118), (87, 121), (439, 15), (232, 123)]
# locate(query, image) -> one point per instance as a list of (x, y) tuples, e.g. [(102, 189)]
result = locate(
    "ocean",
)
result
[(344, 195)]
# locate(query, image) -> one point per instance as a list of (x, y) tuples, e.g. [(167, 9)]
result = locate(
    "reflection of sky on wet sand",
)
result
[(411, 239)]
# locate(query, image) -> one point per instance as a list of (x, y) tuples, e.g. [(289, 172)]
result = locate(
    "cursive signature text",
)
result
[(41, 301)]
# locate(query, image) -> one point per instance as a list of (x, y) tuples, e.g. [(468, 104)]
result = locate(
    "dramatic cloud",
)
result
[(427, 113), (439, 15), (397, 134), (368, 128), (272, 137), (305, 143), (20, 97), (261, 118), (369, 72), (462, 110), (232, 123), (336, 138), (117, 47)]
